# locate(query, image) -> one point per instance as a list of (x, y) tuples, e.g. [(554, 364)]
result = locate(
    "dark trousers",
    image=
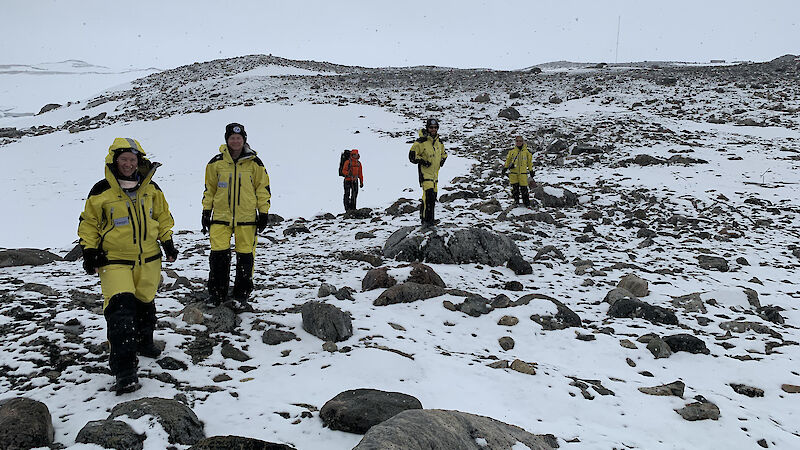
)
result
[(121, 319), (516, 191), (428, 206), (350, 194)]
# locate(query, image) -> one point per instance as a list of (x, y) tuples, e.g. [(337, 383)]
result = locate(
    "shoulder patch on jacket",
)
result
[(100, 187), (258, 161), (158, 188), (216, 158)]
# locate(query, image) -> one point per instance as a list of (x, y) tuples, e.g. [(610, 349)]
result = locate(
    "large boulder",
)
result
[(710, 262), (181, 424), (407, 293), (25, 423), (555, 197), (633, 284), (357, 410), (633, 308), (110, 434), (237, 443), (509, 113), (563, 318), (684, 342), (461, 246), (424, 274), (326, 321), (426, 429), (26, 257), (377, 278)]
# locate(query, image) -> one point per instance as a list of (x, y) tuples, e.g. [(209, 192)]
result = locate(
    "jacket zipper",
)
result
[(133, 228), (144, 215), (239, 194)]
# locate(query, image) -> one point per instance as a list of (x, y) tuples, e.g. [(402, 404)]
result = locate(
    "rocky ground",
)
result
[(653, 285)]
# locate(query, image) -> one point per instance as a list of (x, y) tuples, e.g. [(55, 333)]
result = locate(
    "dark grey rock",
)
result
[(749, 391), (10, 133), (377, 278), (555, 197), (237, 443), (546, 250), (426, 429), (713, 263), (482, 98), (501, 301), (364, 235), (771, 314), (402, 206), (295, 229), (424, 274), (474, 306), (684, 342), (110, 434), (513, 285), (659, 348), (49, 107), (360, 213), (690, 303), (564, 317), (618, 294), (26, 257), (24, 424), (326, 289), (752, 298), (408, 292), (200, 348), (230, 352), (633, 284), (509, 113), (180, 422), (633, 309), (519, 265), (699, 411), (170, 363), (345, 293), (506, 342), (647, 160), (274, 336), (75, 254), (326, 321), (358, 410), (473, 245)]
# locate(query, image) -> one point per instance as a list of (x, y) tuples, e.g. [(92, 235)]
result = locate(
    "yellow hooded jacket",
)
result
[(126, 228), (236, 191), (519, 163), (431, 150)]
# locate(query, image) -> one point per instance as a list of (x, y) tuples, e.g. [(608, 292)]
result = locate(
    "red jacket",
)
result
[(352, 170)]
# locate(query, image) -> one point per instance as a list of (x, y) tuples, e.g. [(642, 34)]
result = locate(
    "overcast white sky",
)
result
[(465, 33)]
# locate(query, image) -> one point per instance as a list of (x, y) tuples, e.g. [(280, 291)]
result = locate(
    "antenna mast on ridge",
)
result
[(616, 52)]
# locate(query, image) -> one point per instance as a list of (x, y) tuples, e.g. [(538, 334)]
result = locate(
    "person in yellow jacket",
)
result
[(124, 218), (236, 202), (429, 155), (519, 163)]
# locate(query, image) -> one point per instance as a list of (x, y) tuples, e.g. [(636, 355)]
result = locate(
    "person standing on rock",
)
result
[(519, 164), (429, 155), (124, 218), (353, 174), (236, 202)]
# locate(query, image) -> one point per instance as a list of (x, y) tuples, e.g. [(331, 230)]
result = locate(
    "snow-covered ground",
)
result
[(440, 356)]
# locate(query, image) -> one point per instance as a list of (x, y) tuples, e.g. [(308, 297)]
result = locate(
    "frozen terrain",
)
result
[(669, 165)]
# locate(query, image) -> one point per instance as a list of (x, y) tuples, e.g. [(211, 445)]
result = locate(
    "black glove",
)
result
[(91, 259), (504, 172), (263, 220), (170, 250), (441, 164), (425, 163), (206, 220), (531, 173)]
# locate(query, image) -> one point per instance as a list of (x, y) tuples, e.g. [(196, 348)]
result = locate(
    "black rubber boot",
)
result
[(126, 382), (121, 319), (219, 276), (145, 325), (430, 207), (523, 192), (243, 284), (515, 193)]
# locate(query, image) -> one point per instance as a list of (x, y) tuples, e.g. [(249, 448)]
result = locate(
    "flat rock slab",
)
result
[(274, 336), (426, 429), (110, 434), (699, 411), (237, 443), (407, 293), (180, 422), (25, 423), (637, 309), (358, 410), (448, 246), (675, 388)]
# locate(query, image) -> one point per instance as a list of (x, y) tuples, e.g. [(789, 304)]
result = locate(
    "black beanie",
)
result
[(235, 128), (431, 122)]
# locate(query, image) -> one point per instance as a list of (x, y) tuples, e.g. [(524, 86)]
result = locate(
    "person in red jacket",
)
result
[(353, 175)]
